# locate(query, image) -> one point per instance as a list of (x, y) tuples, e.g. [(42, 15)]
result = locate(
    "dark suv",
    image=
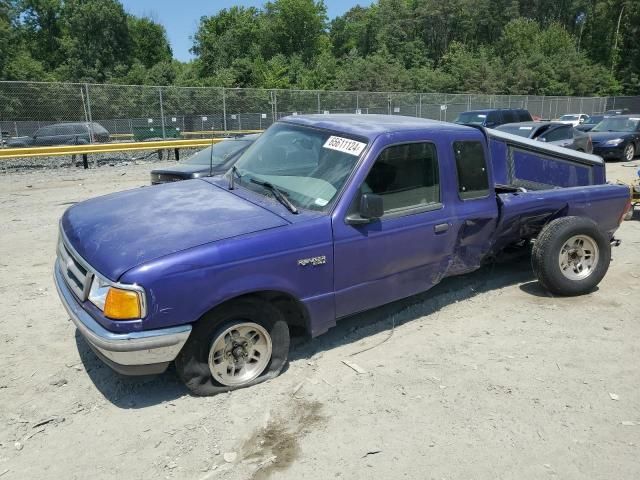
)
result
[(63, 134), (493, 117)]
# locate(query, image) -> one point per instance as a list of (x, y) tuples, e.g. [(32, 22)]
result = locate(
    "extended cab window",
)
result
[(473, 181), (405, 176)]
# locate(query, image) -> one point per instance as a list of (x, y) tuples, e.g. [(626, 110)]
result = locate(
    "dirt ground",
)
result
[(484, 377)]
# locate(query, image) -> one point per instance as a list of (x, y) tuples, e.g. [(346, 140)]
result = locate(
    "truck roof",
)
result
[(370, 126)]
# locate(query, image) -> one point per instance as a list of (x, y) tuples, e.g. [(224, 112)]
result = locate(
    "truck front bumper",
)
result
[(136, 353)]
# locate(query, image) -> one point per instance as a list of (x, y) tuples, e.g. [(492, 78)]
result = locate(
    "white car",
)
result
[(574, 119)]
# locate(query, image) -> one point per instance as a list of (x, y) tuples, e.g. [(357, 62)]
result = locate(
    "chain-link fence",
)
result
[(141, 112)]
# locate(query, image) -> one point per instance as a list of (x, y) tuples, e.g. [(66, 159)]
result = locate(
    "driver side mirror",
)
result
[(371, 208)]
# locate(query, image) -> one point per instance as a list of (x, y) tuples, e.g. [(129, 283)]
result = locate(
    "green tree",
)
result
[(95, 39), (294, 27), (149, 43), (229, 35)]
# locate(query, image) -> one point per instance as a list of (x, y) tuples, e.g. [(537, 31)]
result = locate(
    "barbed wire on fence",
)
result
[(170, 111)]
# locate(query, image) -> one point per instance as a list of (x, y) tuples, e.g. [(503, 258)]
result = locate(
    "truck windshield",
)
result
[(221, 152), (617, 124), (477, 118), (309, 166)]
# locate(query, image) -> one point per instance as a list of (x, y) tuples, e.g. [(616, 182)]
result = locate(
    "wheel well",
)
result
[(294, 312)]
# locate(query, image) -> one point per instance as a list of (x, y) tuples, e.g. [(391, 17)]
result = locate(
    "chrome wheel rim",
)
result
[(628, 152), (578, 257), (240, 354)]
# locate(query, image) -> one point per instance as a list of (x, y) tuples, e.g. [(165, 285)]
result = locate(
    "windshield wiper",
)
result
[(232, 178), (281, 197)]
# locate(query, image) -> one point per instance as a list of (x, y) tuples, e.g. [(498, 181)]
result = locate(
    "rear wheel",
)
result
[(236, 345), (571, 256), (629, 152)]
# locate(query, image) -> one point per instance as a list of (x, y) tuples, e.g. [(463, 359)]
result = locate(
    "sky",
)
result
[(181, 19)]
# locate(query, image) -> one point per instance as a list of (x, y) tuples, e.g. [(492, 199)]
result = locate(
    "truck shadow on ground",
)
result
[(139, 392), (360, 326), (129, 392)]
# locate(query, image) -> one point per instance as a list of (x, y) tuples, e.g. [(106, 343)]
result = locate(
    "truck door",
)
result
[(407, 249), (476, 208)]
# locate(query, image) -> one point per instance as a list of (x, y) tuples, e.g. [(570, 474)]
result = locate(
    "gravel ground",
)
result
[(484, 377), (26, 164)]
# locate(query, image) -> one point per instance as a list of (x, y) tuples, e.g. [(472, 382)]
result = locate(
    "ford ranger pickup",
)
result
[(324, 216)]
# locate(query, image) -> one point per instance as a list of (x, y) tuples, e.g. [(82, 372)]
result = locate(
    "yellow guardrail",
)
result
[(202, 132), (221, 132), (6, 153)]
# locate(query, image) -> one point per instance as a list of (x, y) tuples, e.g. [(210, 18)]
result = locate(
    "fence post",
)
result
[(357, 101), (224, 109), (420, 105), (162, 114), (86, 89), (275, 103), (318, 102)]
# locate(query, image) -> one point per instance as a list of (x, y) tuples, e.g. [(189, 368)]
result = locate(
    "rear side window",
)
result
[(560, 133), (99, 129), (524, 116), (473, 180), (45, 132), (80, 129), (64, 130), (494, 117), (510, 116), (405, 176)]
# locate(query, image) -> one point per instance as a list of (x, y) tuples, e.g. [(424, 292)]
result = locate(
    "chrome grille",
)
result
[(77, 276)]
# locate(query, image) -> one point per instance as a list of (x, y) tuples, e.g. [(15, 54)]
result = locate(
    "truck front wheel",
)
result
[(236, 345), (571, 256)]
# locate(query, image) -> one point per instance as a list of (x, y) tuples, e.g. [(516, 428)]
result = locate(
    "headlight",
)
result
[(614, 141), (116, 303)]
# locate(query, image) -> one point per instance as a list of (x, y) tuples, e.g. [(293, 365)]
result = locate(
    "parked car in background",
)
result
[(63, 134), (210, 161), (573, 118), (491, 118), (555, 133), (617, 111), (617, 137), (590, 122)]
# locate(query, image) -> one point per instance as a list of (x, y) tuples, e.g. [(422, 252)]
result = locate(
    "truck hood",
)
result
[(117, 232)]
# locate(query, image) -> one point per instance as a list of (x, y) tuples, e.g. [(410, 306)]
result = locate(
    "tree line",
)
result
[(541, 47)]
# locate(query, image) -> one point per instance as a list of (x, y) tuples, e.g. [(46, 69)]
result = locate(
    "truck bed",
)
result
[(524, 163)]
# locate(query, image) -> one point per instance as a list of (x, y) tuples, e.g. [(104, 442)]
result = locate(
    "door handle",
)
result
[(441, 228)]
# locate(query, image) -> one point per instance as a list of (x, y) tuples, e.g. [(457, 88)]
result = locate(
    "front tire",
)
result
[(234, 346), (571, 256), (629, 152)]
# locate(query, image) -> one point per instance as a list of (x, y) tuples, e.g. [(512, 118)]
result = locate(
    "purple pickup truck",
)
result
[(324, 216)]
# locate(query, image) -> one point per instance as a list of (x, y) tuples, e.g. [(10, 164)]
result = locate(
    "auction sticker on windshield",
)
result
[(344, 145)]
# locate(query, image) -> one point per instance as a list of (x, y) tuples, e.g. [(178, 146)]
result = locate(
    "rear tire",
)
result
[(571, 256), (234, 346)]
